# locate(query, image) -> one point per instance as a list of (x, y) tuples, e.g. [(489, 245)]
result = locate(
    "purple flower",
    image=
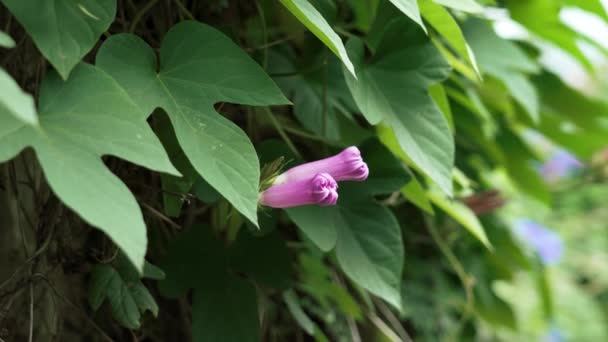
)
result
[(547, 243), (559, 166), (321, 189), (347, 165)]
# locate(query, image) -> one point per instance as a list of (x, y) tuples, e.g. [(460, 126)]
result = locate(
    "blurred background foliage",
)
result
[(517, 252)]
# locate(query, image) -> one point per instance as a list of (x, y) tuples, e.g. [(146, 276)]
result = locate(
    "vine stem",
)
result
[(281, 132), (140, 14), (184, 10), (467, 280)]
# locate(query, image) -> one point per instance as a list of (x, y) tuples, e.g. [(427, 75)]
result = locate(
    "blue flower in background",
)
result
[(560, 165), (547, 243), (553, 335)]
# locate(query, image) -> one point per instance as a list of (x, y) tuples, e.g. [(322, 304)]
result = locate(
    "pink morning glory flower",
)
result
[(347, 165), (320, 189)]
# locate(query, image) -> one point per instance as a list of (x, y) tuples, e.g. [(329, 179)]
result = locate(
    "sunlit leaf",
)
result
[(199, 66)]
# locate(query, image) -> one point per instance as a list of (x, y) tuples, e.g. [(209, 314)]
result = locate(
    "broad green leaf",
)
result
[(505, 61), (80, 120), (64, 30), (317, 227), (16, 102), (392, 88), (369, 248), (199, 67), (368, 245), (470, 6), (314, 21), (462, 214), (410, 8), (224, 306), (442, 21), (120, 284), (6, 41)]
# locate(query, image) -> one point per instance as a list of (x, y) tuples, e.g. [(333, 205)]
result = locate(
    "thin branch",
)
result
[(184, 10), (161, 216)]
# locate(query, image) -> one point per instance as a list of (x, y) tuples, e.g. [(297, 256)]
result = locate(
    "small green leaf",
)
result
[(16, 102), (80, 120), (121, 285), (462, 214), (314, 21), (6, 41), (392, 88), (199, 66), (294, 307), (64, 30), (410, 8), (442, 21)]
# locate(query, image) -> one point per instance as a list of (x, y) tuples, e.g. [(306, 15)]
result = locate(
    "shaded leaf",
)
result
[(120, 284)]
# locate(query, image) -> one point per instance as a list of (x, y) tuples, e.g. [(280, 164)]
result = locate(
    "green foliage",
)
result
[(187, 86), (64, 30), (149, 103), (120, 283)]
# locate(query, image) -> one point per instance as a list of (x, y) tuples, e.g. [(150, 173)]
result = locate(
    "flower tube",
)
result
[(321, 189), (347, 165)]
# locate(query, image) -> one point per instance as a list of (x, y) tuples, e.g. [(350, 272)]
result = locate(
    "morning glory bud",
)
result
[(321, 189), (347, 165), (544, 241)]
